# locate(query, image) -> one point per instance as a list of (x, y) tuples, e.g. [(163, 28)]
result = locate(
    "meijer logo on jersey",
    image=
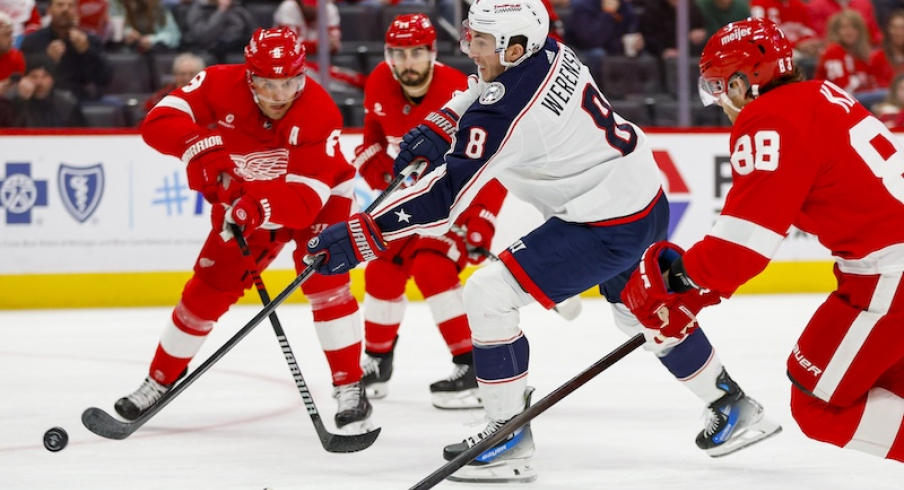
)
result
[(736, 35)]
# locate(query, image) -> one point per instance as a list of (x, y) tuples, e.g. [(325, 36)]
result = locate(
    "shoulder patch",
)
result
[(493, 93)]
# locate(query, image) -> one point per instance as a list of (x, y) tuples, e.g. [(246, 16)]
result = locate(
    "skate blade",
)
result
[(505, 471), (746, 437), (357, 428), (376, 391), (457, 400)]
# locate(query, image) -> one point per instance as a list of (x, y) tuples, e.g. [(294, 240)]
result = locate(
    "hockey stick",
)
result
[(334, 443), (568, 309), (530, 413), (105, 425)]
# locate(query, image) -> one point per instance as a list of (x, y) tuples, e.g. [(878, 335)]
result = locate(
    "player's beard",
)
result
[(417, 84)]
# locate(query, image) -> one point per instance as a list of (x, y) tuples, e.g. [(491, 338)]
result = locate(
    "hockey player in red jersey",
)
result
[(261, 143), (400, 93), (827, 167)]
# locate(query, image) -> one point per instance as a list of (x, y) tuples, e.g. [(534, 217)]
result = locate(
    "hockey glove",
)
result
[(428, 141), (248, 213), (374, 165), (206, 158), (479, 226), (647, 295), (345, 245)]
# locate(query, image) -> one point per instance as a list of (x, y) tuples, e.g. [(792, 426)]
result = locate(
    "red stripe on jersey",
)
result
[(515, 268), (631, 217)]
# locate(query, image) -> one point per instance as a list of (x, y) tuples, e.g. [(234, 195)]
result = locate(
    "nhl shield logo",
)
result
[(81, 189)]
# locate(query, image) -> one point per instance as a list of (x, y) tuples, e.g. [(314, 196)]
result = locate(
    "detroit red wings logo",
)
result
[(262, 165)]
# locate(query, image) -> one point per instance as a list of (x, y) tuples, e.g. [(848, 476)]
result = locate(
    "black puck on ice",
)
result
[(56, 439)]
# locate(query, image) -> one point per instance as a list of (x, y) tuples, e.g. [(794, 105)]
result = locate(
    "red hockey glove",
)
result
[(428, 141), (647, 296), (206, 158), (345, 245), (374, 165), (248, 213), (479, 226)]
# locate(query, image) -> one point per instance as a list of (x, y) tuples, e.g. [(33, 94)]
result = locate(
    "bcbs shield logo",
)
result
[(81, 189)]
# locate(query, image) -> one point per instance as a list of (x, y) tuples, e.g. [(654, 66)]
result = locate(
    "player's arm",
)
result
[(771, 177), (371, 159), (178, 126), (478, 222)]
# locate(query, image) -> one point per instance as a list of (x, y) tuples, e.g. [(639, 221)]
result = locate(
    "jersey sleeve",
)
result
[(175, 121), (438, 198), (771, 177)]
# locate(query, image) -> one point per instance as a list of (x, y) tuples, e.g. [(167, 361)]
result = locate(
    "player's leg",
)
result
[(384, 307), (848, 368), (733, 419), (219, 279), (552, 263), (435, 271)]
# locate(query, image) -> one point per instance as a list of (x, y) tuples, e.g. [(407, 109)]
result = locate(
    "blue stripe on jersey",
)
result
[(501, 361), (688, 357), (494, 122)]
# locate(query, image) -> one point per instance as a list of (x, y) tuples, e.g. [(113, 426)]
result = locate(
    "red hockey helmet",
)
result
[(755, 49), (275, 53), (408, 30)]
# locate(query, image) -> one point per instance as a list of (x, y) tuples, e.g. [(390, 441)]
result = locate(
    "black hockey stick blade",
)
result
[(346, 443), (530, 413), (104, 425)]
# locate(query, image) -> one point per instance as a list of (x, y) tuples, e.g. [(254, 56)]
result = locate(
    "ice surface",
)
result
[(243, 425)]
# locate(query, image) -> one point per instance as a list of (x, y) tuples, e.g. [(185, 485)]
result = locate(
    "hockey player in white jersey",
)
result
[(538, 123)]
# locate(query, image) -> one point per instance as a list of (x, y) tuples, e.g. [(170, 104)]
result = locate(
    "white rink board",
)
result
[(147, 220)]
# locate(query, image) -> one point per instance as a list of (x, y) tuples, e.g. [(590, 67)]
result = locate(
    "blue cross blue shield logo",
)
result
[(81, 189)]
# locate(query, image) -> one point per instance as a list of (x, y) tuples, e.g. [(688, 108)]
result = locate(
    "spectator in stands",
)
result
[(793, 18), (25, 15), (717, 13), (148, 25), (822, 10), (38, 103), (658, 27), (185, 67), (891, 109), (301, 17), (845, 61), (81, 66), (218, 27), (94, 17), (884, 8), (888, 60), (600, 28), (11, 59)]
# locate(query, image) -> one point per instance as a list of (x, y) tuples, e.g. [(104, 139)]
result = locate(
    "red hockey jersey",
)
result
[(806, 154), (390, 114), (295, 162)]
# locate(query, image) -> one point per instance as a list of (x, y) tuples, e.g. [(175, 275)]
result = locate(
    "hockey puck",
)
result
[(56, 439)]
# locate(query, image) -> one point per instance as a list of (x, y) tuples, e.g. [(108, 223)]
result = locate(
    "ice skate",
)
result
[(734, 421), (507, 462), (132, 406), (377, 371), (458, 391), (353, 414)]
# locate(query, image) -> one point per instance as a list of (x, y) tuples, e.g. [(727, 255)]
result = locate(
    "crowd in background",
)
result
[(56, 69)]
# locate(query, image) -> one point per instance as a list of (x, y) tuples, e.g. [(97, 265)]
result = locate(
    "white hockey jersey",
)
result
[(544, 130)]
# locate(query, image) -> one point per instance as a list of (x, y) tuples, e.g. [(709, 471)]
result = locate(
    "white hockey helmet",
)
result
[(505, 19)]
